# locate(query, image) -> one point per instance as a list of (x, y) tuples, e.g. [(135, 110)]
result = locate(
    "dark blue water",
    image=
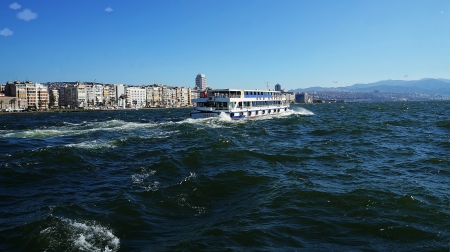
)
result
[(343, 176)]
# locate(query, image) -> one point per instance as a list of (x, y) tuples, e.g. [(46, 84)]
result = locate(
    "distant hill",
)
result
[(424, 86)]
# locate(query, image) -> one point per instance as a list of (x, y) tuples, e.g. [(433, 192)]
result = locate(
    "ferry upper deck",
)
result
[(243, 94)]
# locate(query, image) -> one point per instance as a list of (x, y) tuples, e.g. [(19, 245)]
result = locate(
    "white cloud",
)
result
[(109, 9), (15, 6), (6, 32), (27, 15)]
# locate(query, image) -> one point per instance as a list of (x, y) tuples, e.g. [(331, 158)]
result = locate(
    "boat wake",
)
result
[(300, 111)]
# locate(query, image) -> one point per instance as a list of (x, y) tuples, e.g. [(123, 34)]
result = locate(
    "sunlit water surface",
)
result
[(343, 176)]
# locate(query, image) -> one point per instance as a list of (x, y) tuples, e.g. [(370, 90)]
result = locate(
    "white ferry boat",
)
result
[(238, 104)]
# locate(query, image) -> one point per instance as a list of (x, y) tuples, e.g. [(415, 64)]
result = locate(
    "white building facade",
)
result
[(136, 97), (200, 81)]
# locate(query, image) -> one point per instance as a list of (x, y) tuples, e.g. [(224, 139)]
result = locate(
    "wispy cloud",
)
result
[(109, 9), (6, 32), (27, 15), (15, 6)]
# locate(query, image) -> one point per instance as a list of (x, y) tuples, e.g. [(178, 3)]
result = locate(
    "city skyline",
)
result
[(236, 44)]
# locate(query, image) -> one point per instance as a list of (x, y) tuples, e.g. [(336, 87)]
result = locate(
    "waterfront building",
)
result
[(94, 94), (18, 90), (42, 97), (98, 94), (149, 96), (106, 99), (28, 94), (195, 93), (121, 95), (109, 94), (167, 96), (290, 97), (7, 103), (62, 96), (303, 97), (136, 97), (90, 96), (75, 96), (185, 97), (54, 98), (200, 81), (153, 95)]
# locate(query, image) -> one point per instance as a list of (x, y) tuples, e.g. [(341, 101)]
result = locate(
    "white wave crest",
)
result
[(300, 111), (68, 235), (71, 129), (191, 176), (141, 179), (90, 145), (212, 122)]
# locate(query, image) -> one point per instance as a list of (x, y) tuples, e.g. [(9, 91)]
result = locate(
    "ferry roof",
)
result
[(252, 90)]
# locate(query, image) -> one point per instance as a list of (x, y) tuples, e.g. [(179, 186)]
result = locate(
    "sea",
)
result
[(318, 177)]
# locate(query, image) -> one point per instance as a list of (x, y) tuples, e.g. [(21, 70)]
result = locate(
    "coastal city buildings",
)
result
[(27, 95), (16, 96)]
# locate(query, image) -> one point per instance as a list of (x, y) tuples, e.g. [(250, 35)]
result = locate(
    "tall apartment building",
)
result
[(154, 94), (277, 87), (28, 94), (184, 97), (109, 95), (167, 97), (136, 97), (200, 81), (54, 98), (121, 94), (76, 96)]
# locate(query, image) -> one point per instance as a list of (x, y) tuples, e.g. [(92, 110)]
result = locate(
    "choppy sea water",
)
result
[(342, 176)]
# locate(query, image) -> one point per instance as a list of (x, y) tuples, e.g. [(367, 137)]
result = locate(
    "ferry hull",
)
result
[(202, 115), (236, 115)]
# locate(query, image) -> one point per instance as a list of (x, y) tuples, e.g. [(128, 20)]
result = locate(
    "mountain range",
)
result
[(428, 86)]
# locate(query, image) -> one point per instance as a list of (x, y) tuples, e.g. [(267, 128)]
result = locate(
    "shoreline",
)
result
[(82, 110)]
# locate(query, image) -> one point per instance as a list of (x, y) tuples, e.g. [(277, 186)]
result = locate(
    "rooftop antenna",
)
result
[(267, 85)]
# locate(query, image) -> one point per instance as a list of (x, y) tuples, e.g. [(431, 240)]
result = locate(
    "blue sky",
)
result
[(235, 43)]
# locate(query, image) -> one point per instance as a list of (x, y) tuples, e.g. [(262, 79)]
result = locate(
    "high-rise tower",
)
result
[(200, 81), (278, 87)]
